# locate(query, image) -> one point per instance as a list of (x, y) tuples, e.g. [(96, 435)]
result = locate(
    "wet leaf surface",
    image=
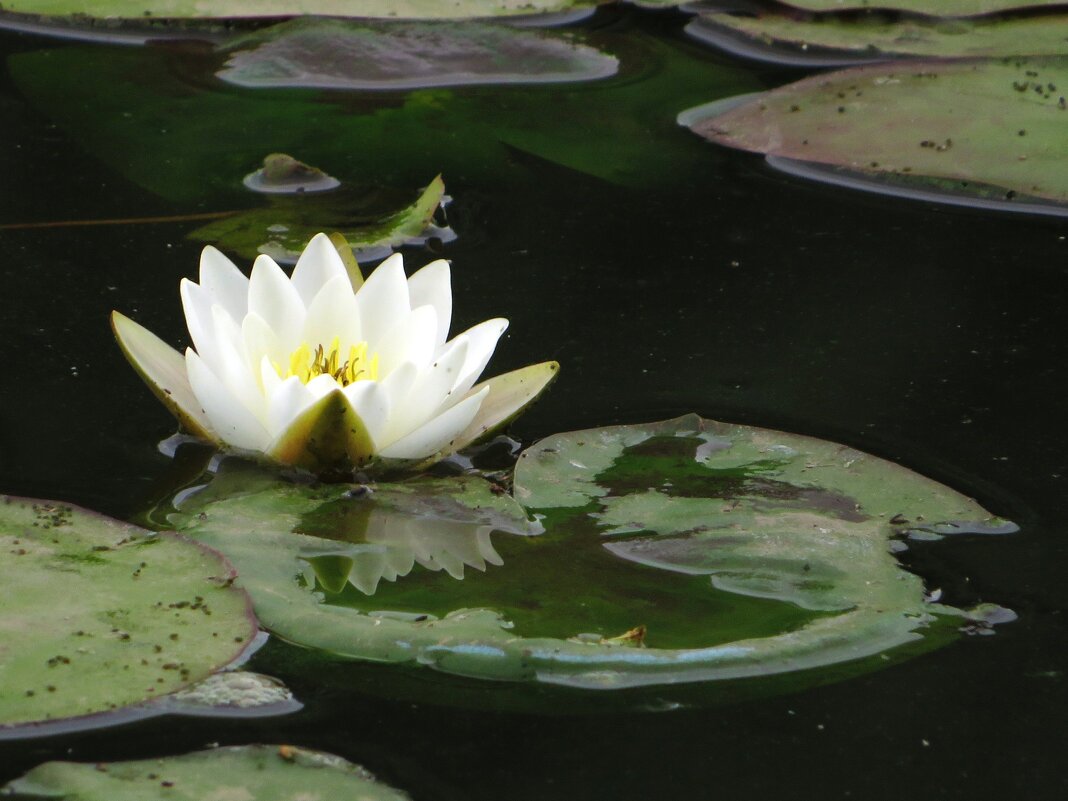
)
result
[(99, 615)]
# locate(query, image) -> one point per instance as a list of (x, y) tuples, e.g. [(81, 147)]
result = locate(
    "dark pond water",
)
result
[(666, 276)]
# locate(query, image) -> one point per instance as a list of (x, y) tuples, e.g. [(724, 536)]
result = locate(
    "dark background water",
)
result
[(928, 335)]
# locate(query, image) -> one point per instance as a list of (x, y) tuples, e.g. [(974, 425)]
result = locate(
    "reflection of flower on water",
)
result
[(327, 371), (394, 543)]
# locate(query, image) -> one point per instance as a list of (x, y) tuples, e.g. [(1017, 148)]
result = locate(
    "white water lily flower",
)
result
[(327, 371)]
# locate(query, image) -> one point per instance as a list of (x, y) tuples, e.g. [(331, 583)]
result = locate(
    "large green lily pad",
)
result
[(98, 615), (972, 124), (344, 54), (390, 9), (866, 38), (676, 552), (261, 772), (283, 228)]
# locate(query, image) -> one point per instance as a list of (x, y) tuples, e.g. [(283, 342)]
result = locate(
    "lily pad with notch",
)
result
[(672, 553), (263, 772), (100, 618)]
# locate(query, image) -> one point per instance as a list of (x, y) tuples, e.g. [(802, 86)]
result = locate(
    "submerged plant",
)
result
[(326, 371)]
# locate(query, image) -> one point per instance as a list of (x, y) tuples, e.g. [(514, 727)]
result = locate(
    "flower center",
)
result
[(306, 364)]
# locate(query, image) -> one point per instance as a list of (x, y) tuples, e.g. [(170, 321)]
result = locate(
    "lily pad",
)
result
[(342, 54), (283, 228), (974, 124), (99, 615), (867, 38), (263, 772), (676, 552), (390, 9), (944, 8)]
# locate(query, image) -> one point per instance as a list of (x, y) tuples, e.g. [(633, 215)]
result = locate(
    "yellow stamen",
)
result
[(306, 364)]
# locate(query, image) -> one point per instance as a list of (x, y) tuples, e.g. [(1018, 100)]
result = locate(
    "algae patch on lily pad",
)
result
[(262, 772), (676, 552), (973, 128), (99, 615)]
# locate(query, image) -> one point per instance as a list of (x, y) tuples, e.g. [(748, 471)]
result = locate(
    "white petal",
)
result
[(231, 421), (382, 300), (235, 371), (438, 433), (269, 378), (226, 284), (322, 385), (288, 399), (196, 303), (410, 339), (429, 393), (273, 298), (371, 403), (432, 286), (318, 265), (482, 340), (333, 313), (398, 384), (261, 342)]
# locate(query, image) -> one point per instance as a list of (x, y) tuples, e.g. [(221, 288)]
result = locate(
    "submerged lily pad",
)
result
[(869, 38), (99, 615), (283, 228), (261, 772), (206, 9), (976, 124), (141, 102), (341, 54), (643, 524)]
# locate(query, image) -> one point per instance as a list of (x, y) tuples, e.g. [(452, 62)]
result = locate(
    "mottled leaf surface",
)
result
[(98, 615)]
